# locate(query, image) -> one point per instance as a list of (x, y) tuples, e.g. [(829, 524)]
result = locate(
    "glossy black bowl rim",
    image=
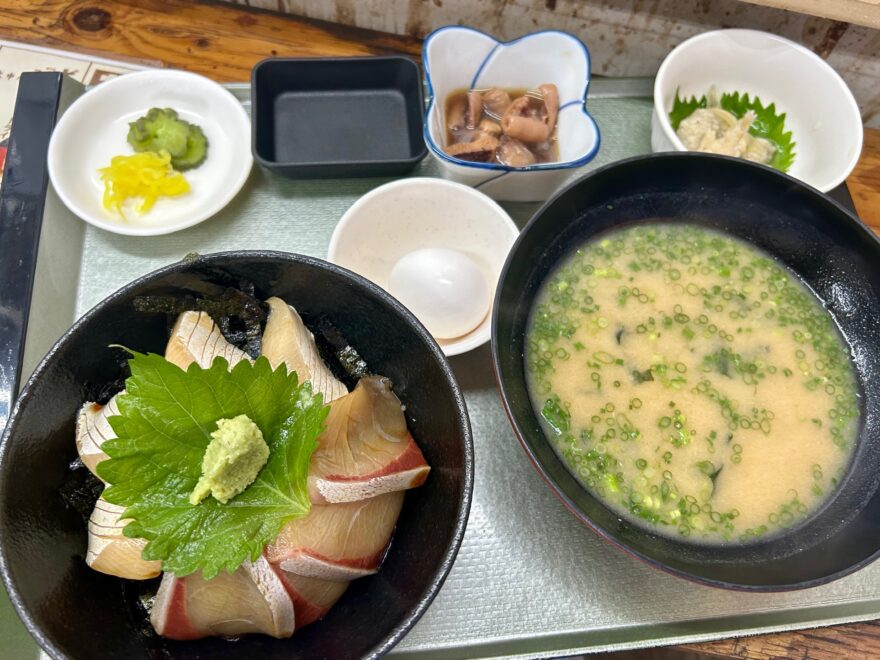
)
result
[(218, 259), (671, 157)]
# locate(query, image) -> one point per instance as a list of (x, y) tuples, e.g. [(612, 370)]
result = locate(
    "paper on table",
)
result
[(16, 58)]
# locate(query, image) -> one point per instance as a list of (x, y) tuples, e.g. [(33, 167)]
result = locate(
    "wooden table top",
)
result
[(223, 42)]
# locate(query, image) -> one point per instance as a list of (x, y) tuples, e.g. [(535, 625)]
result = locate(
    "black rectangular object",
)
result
[(337, 117), (22, 200)]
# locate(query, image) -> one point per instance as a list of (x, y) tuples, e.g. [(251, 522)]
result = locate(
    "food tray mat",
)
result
[(529, 580)]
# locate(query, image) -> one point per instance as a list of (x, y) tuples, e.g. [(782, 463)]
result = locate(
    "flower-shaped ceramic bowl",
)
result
[(457, 58)]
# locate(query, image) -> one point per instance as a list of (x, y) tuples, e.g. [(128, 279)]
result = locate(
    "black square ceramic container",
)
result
[(337, 117)]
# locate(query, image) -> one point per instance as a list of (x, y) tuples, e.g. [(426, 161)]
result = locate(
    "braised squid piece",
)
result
[(475, 108), (512, 127), (481, 149), (495, 103), (514, 153)]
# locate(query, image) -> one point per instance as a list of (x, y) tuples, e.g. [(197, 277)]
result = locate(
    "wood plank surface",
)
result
[(220, 41), (223, 42), (864, 182), (860, 12), (854, 640)]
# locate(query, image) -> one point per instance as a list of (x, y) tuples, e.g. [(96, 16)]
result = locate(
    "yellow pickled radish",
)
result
[(146, 176)]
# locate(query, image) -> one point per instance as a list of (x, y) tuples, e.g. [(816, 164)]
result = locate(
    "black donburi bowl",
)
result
[(826, 246), (75, 612)]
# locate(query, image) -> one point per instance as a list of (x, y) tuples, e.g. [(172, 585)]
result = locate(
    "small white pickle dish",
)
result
[(94, 129), (457, 58)]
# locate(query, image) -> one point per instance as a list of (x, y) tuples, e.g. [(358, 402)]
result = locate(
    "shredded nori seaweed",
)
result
[(244, 329), (240, 316), (101, 392), (139, 597), (342, 359), (81, 489)]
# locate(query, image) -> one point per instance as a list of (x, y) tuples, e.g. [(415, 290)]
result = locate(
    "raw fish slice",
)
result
[(92, 429), (196, 338), (312, 597), (366, 449), (287, 340), (109, 550), (113, 553), (338, 541), (253, 599)]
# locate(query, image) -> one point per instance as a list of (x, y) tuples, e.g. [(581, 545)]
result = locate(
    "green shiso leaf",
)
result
[(165, 423), (682, 108), (769, 123)]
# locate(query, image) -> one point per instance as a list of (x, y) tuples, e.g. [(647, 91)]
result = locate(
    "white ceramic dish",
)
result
[(821, 112), (458, 58), (94, 129), (410, 214)]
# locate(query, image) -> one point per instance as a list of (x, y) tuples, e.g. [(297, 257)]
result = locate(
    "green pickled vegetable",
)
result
[(161, 129)]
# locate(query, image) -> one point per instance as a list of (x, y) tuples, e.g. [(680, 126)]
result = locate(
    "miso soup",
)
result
[(692, 382)]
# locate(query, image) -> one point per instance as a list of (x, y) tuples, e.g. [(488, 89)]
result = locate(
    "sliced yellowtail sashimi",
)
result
[(196, 338), (312, 597), (366, 449), (253, 599), (287, 340), (338, 541), (113, 553), (92, 429)]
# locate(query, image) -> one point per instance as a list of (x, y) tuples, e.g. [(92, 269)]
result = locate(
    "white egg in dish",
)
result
[(444, 288)]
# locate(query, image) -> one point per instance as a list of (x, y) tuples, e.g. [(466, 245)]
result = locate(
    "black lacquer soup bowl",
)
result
[(834, 253)]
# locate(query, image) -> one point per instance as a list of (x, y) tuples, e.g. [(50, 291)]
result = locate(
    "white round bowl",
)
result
[(820, 110), (94, 128), (410, 214)]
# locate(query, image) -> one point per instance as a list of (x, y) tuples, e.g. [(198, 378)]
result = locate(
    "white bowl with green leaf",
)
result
[(800, 104)]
